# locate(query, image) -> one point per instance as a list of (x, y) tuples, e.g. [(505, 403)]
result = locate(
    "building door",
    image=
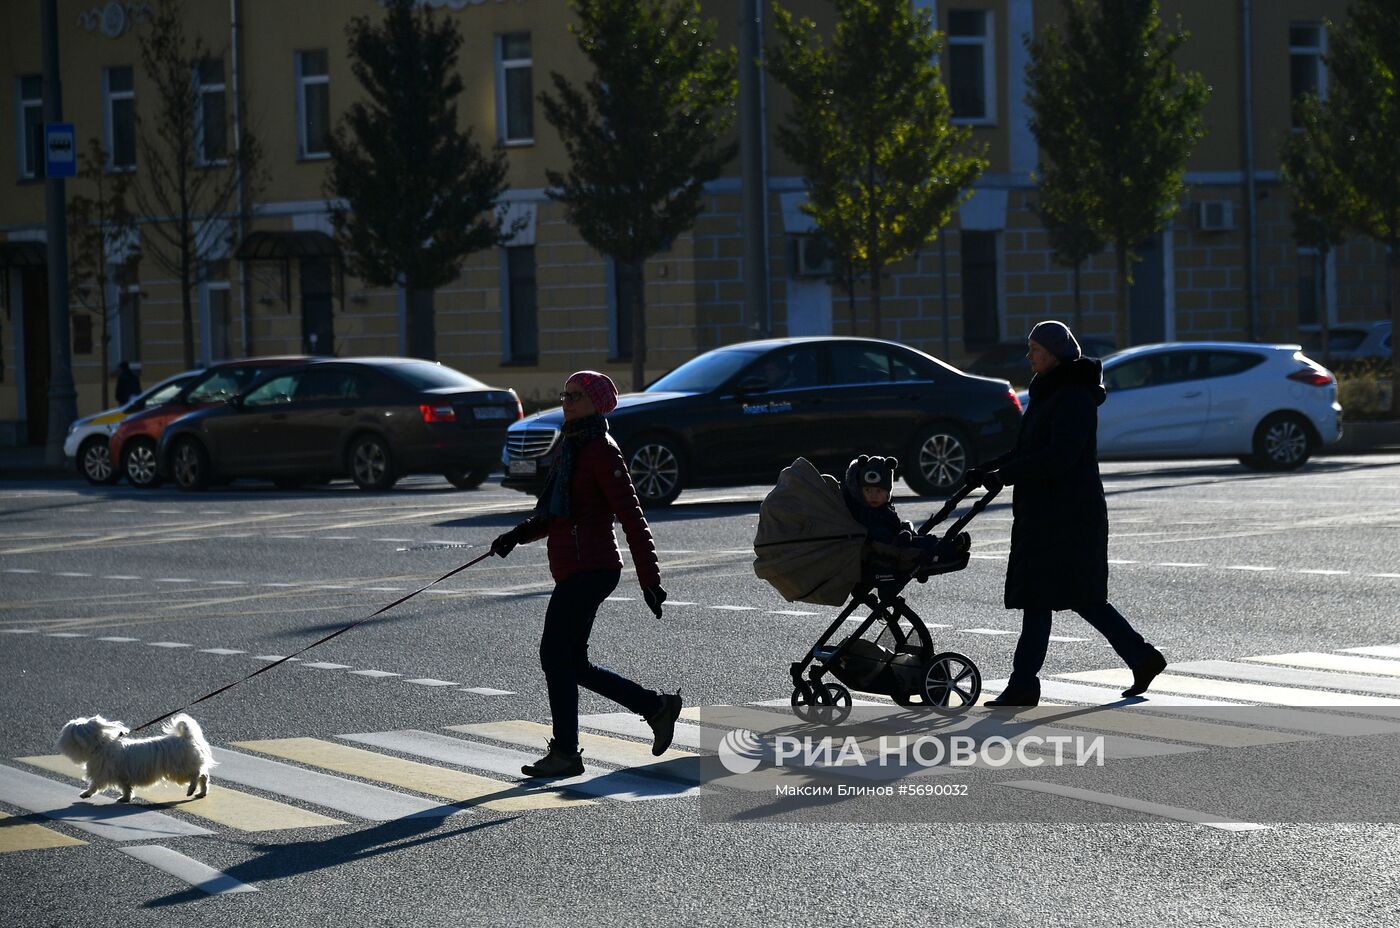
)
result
[(317, 323), (981, 328), (35, 298), (1147, 297)]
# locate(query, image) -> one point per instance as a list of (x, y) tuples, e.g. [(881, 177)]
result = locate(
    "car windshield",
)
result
[(425, 375), (705, 373), (162, 394), (218, 385)]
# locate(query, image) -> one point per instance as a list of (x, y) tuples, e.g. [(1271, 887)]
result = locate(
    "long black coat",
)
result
[(1059, 538)]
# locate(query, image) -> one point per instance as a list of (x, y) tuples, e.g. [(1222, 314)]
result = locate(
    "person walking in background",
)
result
[(128, 384), (587, 487), (1059, 532)]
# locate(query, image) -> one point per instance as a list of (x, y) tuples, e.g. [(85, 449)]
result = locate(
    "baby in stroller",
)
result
[(867, 486)]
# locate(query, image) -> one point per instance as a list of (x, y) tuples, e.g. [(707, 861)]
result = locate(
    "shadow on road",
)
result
[(284, 860)]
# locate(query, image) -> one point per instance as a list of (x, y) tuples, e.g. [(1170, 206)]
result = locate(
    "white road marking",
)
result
[(1346, 663), (1389, 576), (736, 608), (101, 815), (396, 540), (229, 582), (1177, 564), (1229, 689), (118, 638), (486, 691), (326, 665), (1289, 676), (351, 797), (1328, 573), (280, 585), (429, 681), (621, 599), (65, 635), (199, 875), (19, 631), (20, 570), (70, 573), (1066, 638), (791, 612), (173, 580), (1114, 560), (274, 657), (119, 577), (680, 602), (385, 589), (1136, 805), (221, 651), (375, 673), (1254, 567), (1379, 650), (170, 644), (333, 586), (986, 631), (338, 537)]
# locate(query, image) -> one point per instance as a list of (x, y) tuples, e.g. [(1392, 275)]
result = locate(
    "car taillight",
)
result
[(433, 412), (1313, 377), (519, 410), (1015, 400)]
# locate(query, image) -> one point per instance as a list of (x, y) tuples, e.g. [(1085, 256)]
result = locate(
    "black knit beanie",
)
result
[(1056, 338)]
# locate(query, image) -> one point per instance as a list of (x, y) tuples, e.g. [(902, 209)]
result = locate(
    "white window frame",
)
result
[(504, 64), (304, 81), (987, 40), (109, 97), (22, 105), (208, 286), (120, 350), (1328, 309), (201, 89), (1316, 52)]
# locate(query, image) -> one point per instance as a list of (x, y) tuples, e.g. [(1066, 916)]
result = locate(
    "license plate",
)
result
[(493, 412), (523, 466)]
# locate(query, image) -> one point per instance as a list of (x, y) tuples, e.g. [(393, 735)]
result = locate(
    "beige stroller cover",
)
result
[(808, 545)]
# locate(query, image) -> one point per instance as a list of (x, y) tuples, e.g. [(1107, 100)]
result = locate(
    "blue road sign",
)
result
[(60, 150)]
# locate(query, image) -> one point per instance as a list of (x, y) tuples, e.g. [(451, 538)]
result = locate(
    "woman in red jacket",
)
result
[(587, 486)]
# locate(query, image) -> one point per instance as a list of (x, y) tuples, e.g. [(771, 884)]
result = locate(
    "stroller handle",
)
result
[(948, 507)]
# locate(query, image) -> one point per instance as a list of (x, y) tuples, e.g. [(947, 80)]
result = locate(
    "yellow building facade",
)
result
[(527, 314)]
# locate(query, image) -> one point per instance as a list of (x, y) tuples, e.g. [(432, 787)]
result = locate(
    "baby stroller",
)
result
[(811, 550)]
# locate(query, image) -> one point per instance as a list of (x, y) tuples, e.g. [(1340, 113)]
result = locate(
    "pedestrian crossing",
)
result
[(341, 780)]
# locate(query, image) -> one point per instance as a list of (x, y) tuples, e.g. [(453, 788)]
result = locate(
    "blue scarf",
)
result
[(555, 499)]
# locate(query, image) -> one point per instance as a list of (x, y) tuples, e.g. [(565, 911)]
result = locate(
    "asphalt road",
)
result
[(130, 603)]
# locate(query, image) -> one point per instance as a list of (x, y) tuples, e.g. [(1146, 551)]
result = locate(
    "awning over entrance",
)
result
[(282, 246), (23, 254)]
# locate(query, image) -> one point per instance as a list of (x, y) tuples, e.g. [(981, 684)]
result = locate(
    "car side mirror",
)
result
[(753, 384)]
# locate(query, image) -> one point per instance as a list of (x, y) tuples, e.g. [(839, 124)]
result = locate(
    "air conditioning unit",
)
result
[(1215, 216), (811, 256)]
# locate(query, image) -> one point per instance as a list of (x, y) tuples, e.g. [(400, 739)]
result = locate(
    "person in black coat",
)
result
[(1059, 533), (128, 384)]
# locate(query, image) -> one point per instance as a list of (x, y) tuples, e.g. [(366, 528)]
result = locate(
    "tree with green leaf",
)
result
[(412, 194), (1117, 118), (190, 186), (643, 133), (1343, 166), (99, 225), (1316, 194), (870, 128)]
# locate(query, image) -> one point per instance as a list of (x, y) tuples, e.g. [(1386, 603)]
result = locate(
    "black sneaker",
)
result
[(557, 763), (1144, 673), (663, 723), (1016, 696)]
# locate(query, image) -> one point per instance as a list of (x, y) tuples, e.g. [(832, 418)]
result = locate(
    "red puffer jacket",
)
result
[(601, 488)]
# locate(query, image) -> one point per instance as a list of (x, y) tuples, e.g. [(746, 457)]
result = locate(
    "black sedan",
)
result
[(741, 413), (373, 419)]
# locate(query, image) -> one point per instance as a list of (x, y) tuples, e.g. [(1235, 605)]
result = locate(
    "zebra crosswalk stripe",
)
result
[(319, 789), (199, 875), (1135, 805), (454, 785), (26, 836), (100, 815), (1288, 676), (1345, 663), (1230, 689), (222, 805)]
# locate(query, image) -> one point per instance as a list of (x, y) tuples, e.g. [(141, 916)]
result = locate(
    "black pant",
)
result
[(1035, 638), (564, 655)]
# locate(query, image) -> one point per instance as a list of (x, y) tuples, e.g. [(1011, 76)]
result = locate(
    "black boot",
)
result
[(1017, 695), (1144, 673), (557, 763), (663, 723)]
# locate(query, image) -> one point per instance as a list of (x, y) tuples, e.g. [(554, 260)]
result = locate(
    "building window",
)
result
[(979, 289), (971, 66), (313, 104), (31, 127), (216, 310), (210, 124), (515, 117), (1307, 72), (128, 286), (521, 300), (626, 290), (82, 333), (119, 108)]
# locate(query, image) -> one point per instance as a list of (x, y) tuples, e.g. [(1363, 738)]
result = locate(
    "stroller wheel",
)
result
[(822, 705), (952, 683)]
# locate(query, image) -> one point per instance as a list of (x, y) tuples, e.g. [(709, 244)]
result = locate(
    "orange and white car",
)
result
[(88, 437)]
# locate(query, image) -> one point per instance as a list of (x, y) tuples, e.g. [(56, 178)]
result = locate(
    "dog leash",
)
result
[(313, 644)]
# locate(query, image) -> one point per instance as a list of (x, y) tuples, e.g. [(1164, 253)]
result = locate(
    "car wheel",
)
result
[(371, 464), (467, 478), (1282, 441), (139, 464), (940, 457), (95, 461), (190, 465), (657, 470)]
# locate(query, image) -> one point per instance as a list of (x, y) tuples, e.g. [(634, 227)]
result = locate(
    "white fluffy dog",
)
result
[(180, 754)]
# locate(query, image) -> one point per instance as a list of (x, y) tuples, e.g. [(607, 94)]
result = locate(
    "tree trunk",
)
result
[(1392, 267), (186, 304), (639, 328), (1078, 301), (422, 330), (1124, 334)]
